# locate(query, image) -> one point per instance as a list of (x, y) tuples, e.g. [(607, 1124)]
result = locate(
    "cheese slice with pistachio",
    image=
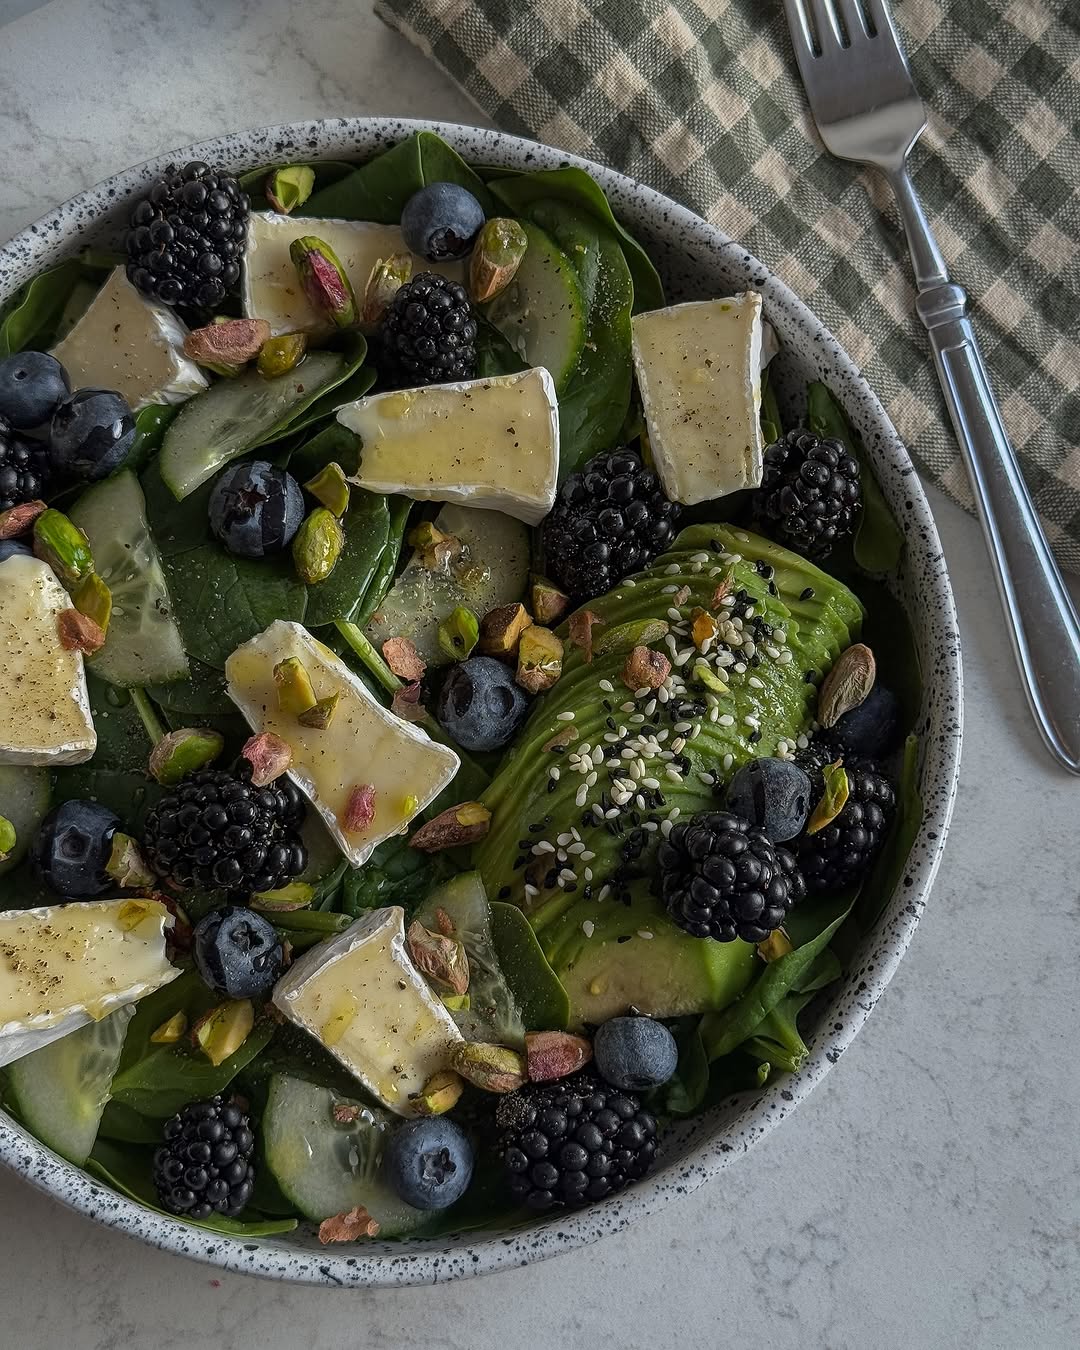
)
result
[(698, 367), (44, 706), (365, 746), (63, 966), (362, 997)]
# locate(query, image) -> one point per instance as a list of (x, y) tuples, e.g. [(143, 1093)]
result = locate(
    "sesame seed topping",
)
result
[(674, 614), (554, 775), (644, 933), (755, 683), (673, 569), (605, 891), (588, 927), (582, 795), (531, 891), (607, 686), (729, 760)]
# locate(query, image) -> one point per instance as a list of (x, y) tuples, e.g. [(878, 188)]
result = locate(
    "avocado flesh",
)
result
[(671, 972)]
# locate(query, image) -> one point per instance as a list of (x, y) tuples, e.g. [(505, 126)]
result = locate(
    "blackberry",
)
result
[(186, 237), (24, 469), (722, 878), (573, 1141), (428, 334), (204, 1166), (810, 492), (215, 831), (842, 853), (609, 520)]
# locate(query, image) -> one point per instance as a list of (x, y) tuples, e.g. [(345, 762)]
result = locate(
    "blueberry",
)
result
[(12, 548), (480, 706), (72, 847), (870, 729), (773, 795), (32, 387), (635, 1053), (256, 509), (428, 1162), (91, 434), (238, 952), (441, 221)]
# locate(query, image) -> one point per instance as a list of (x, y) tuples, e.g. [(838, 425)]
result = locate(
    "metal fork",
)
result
[(867, 109)]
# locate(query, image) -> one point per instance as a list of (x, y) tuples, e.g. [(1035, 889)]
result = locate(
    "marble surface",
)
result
[(927, 1193)]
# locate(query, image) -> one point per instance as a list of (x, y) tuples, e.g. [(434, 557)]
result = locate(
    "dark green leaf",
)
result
[(879, 541), (889, 868), (367, 527), (683, 1094), (399, 508), (494, 354), (31, 316), (177, 527), (292, 1051), (130, 1171), (170, 1076), (577, 188), (395, 874), (358, 380), (150, 426), (202, 694), (379, 189), (121, 1123), (771, 426), (537, 990)]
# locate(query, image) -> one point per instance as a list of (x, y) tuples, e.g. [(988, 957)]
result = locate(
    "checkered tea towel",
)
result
[(701, 99)]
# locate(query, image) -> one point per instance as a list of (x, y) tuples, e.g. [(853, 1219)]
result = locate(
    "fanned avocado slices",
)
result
[(583, 796)]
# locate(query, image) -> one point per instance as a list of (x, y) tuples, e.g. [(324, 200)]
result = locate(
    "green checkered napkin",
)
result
[(701, 99)]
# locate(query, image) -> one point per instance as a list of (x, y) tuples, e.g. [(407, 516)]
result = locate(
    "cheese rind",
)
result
[(698, 367), (271, 288), (364, 745), (491, 443), (44, 705), (127, 343), (65, 965), (360, 995)]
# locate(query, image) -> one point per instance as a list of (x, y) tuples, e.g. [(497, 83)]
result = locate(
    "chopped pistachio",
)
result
[(496, 257), (289, 187), (224, 1029), (459, 633), (59, 542), (502, 628), (321, 715), (7, 838), (385, 279), (329, 486), (318, 546), (184, 751), (296, 895), (279, 355), (540, 658), (94, 599), (325, 282), (172, 1030), (294, 692)]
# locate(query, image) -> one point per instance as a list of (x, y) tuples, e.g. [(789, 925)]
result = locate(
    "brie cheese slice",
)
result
[(44, 705), (491, 443), (698, 368), (127, 343), (360, 995), (63, 966), (365, 744), (271, 288)]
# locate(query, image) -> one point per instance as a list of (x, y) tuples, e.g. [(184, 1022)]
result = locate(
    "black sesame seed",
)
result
[(808, 594), (754, 737), (505, 892), (625, 937), (551, 785), (520, 862)]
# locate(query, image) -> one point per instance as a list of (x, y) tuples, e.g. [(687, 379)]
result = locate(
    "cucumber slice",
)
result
[(24, 800), (492, 571), (143, 644), (60, 1091), (542, 312), (325, 1168), (234, 416)]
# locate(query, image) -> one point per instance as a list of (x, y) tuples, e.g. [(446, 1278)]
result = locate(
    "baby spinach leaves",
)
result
[(32, 316)]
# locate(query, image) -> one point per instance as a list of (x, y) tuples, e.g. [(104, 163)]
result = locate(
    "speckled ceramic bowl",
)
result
[(696, 260)]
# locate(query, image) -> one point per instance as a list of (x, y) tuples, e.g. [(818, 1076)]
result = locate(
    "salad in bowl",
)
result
[(454, 728)]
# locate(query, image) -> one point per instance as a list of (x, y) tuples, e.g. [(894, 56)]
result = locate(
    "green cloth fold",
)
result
[(701, 99)]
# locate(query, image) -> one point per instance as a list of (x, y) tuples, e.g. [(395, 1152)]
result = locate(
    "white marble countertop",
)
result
[(926, 1195)]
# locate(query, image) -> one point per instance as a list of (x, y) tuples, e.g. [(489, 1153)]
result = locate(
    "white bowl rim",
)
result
[(477, 1252)]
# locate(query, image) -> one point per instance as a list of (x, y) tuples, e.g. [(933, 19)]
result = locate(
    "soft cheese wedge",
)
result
[(360, 995), (699, 371), (365, 745), (66, 965), (492, 443), (44, 707), (125, 342), (271, 289)]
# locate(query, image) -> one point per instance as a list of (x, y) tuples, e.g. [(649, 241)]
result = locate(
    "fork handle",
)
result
[(1041, 617)]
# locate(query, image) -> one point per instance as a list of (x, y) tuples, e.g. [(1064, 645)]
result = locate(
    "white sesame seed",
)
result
[(672, 569), (561, 855), (607, 686), (707, 779), (740, 667), (588, 874), (751, 721), (637, 719), (755, 683), (639, 802), (590, 780), (553, 774), (771, 652), (531, 891), (605, 891), (581, 796), (673, 774), (714, 713), (650, 825), (785, 658), (727, 602), (628, 707), (665, 828), (707, 645), (662, 695), (588, 927), (678, 743), (629, 581), (644, 933), (650, 707), (729, 760), (726, 720), (803, 742), (575, 849), (598, 811), (695, 567), (564, 839), (665, 755), (700, 558), (780, 636), (661, 736), (612, 812), (674, 615), (588, 855), (749, 612), (652, 784), (643, 692), (567, 716), (671, 643), (674, 813), (542, 847), (637, 770), (669, 590), (680, 727), (586, 749), (715, 571), (568, 874)]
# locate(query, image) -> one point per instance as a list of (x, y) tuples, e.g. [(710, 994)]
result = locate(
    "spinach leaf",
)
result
[(379, 189), (723, 1032), (202, 694), (889, 867), (186, 994), (399, 509), (366, 527), (537, 990), (117, 775), (683, 1094), (357, 381), (879, 541), (494, 353), (170, 1076), (578, 188), (333, 444), (771, 426), (130, 1171), (777, 1040), (121, 1123), (395, 874), (596, 398), (31, 316), (220, 600), (151, 424), (294, 1052)]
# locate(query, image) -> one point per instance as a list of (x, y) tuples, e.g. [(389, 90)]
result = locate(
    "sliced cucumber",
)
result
[(233, 416), (542, 312), (143, 644), (60, 1091), (24, 800), (326, 1168), (492, 571)]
